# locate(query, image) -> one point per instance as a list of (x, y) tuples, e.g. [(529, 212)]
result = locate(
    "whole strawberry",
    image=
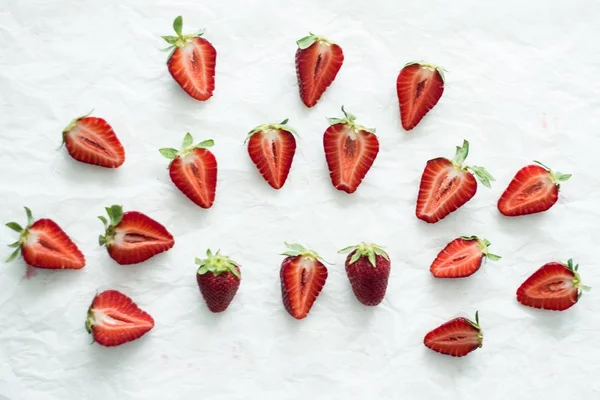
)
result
[(218, 278), (368, 269)]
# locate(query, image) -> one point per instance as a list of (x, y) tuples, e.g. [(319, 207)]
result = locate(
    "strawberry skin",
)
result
[(446, 185), (114, 319), (302, 276), (317, 63), (218, 279), (419, 88), (43, 244), (534, 189), (133, 237), (368, 269), (554, 286), (93, 141), (462, 257), (271, 148), (350, 151), (192, 62), (457, 337)]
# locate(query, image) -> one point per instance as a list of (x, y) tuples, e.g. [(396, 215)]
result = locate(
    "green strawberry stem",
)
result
[(217, 264), (187, 147), (349, 121), (115, 215), (181, 39), (369, 250), (480, 173), (23, 233)]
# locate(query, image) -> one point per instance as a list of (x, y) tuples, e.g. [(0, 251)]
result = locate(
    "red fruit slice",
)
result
[(272, 147), (92, 140), (457, 337), (534, 189), (192, 62), (317, 64), (447, 185), (462, 257), (133, 237), (419, 88), (114, 319), (350, 150), (302, 279)]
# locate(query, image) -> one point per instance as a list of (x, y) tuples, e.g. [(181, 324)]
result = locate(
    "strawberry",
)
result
[(447, 185), (194, 170), (43, 244), (457, 337), (114, 319), (272, 147), (419, 88), (554, 286), (350, 150), (303, 276), (462, 257), (317, 63), (93, 141), (368, 269), (218, 278), (133, 237), (192, 62), (534, 189)]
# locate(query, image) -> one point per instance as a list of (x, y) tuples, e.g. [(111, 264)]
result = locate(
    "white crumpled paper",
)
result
[(521, 84)]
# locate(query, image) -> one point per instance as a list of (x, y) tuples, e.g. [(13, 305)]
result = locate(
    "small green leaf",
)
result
[(493, 257), (477, 318), (101, 240), (187, 140), (15, 227), (461, 153), (346, 249), (350, 117), (285, 121), (562, 177), (177, 25), (483, 176), (13, 255), (335, 121), (209, 253), (170, 39), (234, 270), (202, 270), (542, 165), (355, 257), (306, 41), (169, 153), (295, 247), (115, 213), (372, 259), (29, 216), (104, 221), (15, 244), (205, 144)]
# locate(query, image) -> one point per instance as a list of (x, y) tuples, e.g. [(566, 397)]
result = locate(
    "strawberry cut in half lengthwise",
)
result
[(554, 286), (317, 63), (93, 141), (303, 276), (114, 319), (457, 337), (218, 279), (462, 257), (192, 62), (447, 185), (133, 237), (43, 244), (534, 189), (193, 170), (350, 150), (419, 88), (272, 147), (368, 270)]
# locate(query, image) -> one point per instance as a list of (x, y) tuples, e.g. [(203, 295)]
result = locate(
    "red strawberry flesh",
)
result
[(456, 338), (92, 140), (195, 174), (419, 88)]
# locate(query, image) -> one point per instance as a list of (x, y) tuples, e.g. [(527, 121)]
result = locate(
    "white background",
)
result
[(522, 83)]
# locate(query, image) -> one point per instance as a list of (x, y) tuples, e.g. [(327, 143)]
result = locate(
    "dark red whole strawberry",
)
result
[(272, 147), (114, 319), (317, 63), (419, 88), (462, 257), (133, 237), (93, 141), (554, 286), (193, 170), (534, 189), (43, 244), (446, 185), (192, 62), (303, 276), (368, 269), (456, 338), (350, 150), (218, 278)]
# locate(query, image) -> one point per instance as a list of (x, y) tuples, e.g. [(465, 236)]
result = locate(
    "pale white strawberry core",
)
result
[(271, 135), (102, 319), (189, 158), (32, 238)]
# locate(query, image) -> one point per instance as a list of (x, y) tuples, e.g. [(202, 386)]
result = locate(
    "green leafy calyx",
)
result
[(308, 41), (483, 245), (297, 250), (115, 215), (368, 250), (475, 324), (73, 124), (431, 67), (557, 177), (186, 148), (268, 127), (181, 39), (350, 121), (480, 173), (217, 264), (23, 233), (574, 268)]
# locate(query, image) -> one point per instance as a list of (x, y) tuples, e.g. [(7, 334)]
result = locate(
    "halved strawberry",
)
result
[(554, 286), (462, 257), (133, 237), (272, 147), (457, 337), (194, 170), (218, 279), (419, 88), (114, 319), (447, 185), (92, 140), (317, 63), (534, 189), (350, 150), (303, 276), (192, 62)]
